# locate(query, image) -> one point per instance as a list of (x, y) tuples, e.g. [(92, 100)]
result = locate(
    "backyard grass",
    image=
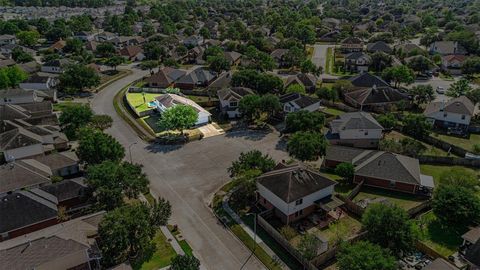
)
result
[(343, 187), (333, 111), (430, 151), (403, 200), (341, 230), (60, 106), (330, 61), (136, 100), (465, 143), (436, 171), (161, 257), (198, 99), (443, 240)]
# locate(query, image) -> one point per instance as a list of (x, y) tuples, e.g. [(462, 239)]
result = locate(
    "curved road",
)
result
[(188, 176)]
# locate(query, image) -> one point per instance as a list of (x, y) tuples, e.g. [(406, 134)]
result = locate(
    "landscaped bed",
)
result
[(161, 257), (403, 200), (137, 101), (442, 240)]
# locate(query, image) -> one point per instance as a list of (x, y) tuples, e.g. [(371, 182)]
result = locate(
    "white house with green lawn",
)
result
[(166, 101)]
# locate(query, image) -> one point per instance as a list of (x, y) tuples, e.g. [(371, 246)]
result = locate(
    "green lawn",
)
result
[(136, 99), (333, 111), (403, 200), (437, 170), (431, 150), (443, 240), (466, 144), (341, 230), (329, 61), (342, 187), (60, 106), (160, 258)]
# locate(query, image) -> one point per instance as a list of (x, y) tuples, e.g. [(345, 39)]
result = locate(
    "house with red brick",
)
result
[(381, 169), (293, 192)]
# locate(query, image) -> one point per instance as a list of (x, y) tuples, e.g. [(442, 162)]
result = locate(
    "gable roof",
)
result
[(40, 252), (302, 101), (367, 80), (447, 47), (198, 75), (357, 55), (291, 183), (352, 40), (234, 93), (23, 174), (22, 209), (130, 51), (459, 105), (375, 95), (379, 46), (458, 57), (354, 120), (473, 235), (66, 189), (18, 137)]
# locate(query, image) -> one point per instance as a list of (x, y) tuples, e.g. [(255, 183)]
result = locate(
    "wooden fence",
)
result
[(445, 146), (422, 247), (449, 161), (426, 205)]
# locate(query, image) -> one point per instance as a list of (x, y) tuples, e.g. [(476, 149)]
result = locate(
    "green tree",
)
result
[(115, 61), (73, 45), (399, 74), (101, 121), (308, 246), (389, 227), (112, 180), (105, 49), (471, 66), (161, 210), (304, 121), (422, 94), (251, 160), (73, 118), (149, 64), (308, 66), (125, 232), (380, 61), (28, 38), (21, 56), (178, 117), (304, 33), (96, 147), (416, 125), (15, 75), (456, 205), (459, 88), (342, 86), (218, 63), (345, 170), (295, 88), (185, 262), (420, 63), (258, 109), (365, 255), (4, 80), (77, 77), (327, 94), (388, 120), (306, 145)]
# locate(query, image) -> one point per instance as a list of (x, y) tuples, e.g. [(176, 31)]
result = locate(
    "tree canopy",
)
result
[(95, 147), (365, 255), (178, 117), (306, 145)]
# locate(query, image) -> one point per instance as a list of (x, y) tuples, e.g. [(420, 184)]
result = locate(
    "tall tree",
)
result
[(459, 88), (251, 160), (77, 77), (96, 147), (73, 118), (399, 74), (304, 121), (416, 125), (456, 205), (365, 255), (306, 145), (179, 117), (185, 262)]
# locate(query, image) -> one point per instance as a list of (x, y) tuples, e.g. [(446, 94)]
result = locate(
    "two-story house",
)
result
[(453, 114), (295, 102), (357, 62), (356, 129), (230, 98), (351, 44), (55, 66), (453, 63), (293, 192), (446, 48)]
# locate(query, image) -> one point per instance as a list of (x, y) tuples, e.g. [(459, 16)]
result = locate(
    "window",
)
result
[(366, 133), (288, 108), (445, 115), (299, 213), (463, 116), (233, 104), (392, 184), (298, 202)]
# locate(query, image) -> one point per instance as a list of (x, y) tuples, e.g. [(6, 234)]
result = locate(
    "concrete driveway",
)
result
[(188, 176)]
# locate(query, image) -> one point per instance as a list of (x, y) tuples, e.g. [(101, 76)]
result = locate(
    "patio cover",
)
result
[(329, 203), (426, 181)]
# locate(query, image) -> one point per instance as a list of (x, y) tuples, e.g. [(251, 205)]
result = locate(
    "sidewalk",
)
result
[(247, 229), (172, 240)]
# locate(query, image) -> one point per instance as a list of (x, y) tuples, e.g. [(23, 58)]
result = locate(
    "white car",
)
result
[(440, 90)]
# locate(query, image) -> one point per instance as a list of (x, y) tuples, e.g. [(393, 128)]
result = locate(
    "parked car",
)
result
[(440, 90)]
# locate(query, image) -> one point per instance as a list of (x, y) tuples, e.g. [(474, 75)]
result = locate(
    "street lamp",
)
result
[(254, 237), (130, 151)]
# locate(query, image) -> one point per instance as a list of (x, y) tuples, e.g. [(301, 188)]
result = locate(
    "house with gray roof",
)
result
[(295, 102), (20, 96), (357, 62), (23, 174), (453, 114), (379, 46), (198, 77), (307, 80), (355, 129), (7, 39), (293, 192), (446, 48), (381, 169), (230, 98)]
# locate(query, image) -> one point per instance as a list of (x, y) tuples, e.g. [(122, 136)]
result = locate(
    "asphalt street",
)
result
[(188, 176)]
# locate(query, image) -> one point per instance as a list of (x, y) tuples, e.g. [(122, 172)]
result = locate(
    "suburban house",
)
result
[(71, 194), (381, 169), (453, 114), (446, 48), (84, 35), (233, 58), (20, 96), (222, 81), (309, 81), (279, 55), (23, 174), (198, 77), (69, 245), (105, 36), (295, 102), (55, 66), (7, 50), (64, 164), (470, 249), (357, 62), (229, 99), (408, 48), (58, 46), (132, 53), (40, 113), (124, 41), (453, 63), (166, 101), (365, 80), (22, 212), (165, 77), (7, 39), (351, 44), (355, 129), (379, 46), (193, 41), (293, 192), (39, 82), (375, 98)]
